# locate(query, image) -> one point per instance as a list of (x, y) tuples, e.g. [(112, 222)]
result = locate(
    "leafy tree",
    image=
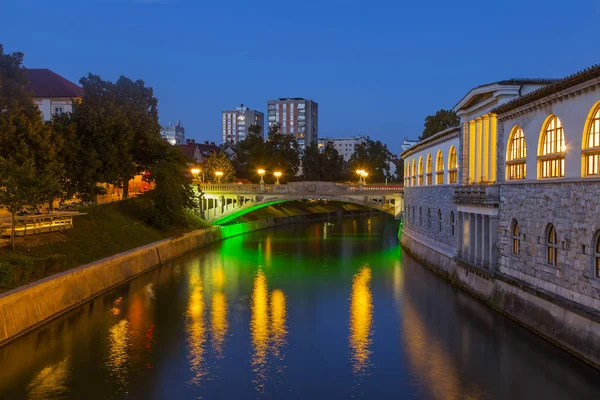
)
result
[(219, 162), (173, 193), (283, 153), (443, 119), (27, 146), (251, 153), (322, 166), (373, 157)]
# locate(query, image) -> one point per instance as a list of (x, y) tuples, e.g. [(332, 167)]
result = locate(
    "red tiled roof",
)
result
[(47, 84), (187, 149)]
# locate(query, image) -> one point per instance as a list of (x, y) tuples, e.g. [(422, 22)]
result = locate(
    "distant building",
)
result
[(198, 152), (52, 93), (408, 143), (345, 146), (295, 116), (236, 123), (174, 134)]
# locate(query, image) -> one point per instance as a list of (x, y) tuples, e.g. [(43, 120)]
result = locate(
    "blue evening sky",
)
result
[(376, 67)]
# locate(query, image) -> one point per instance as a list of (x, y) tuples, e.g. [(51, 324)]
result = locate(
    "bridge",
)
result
[(223, 203)]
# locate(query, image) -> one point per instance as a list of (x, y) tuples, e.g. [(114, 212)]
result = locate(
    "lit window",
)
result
[(439, 168), (439, 220), (553, 147), (591, 152), (452, 166), (452, 221), (414, 173), (515, 238), (429, 169), (516, 155), (597, 256), (420, 171), (552, 245)]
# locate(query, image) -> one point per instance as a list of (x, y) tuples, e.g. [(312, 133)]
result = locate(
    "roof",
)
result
[(48, 84), (187, 150), (484, 92), (555, 87)]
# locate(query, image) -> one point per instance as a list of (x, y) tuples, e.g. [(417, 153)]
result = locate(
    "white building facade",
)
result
[(236, 123), (345, 146), (173, 134), (52, 93)]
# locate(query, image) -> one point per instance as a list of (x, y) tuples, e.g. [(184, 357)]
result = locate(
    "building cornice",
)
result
[(553, 98), (439, 137)]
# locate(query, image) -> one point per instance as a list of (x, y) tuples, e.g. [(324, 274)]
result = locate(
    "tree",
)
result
[(173, 193), (373, 157), (251, 153), (29, 166), (443, 119), (283, 153), (322, 166), (219, 162)]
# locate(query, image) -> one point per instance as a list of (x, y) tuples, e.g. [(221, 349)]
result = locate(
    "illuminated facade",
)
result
[(517, 201), (236, 123)]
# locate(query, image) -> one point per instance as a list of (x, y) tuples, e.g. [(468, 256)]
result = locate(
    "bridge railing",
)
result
[(300, 188)]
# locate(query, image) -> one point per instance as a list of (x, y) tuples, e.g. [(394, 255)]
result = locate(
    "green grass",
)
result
[(105, 230)]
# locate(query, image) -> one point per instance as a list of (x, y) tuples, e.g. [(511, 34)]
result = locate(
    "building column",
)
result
[(485, 250), (477, 258), (478, 150), (493, 138), (472, 236), (486, 148), (493, 236), (471, 151), (459, 233)]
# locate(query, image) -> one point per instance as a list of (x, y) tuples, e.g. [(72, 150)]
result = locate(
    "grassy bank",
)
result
[(112, 228), (105, 230)]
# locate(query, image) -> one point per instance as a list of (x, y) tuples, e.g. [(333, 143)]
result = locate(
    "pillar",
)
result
[(459, 234), (471, 151), (478, 150), (485, 248), (486, 148), (472, 236), (493, 139), (493, 236)]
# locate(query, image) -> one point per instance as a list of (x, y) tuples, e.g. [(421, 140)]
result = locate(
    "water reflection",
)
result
[(218, 322), (119, 340), (196, 332), (268, 331), (361, 319), (50, 382)]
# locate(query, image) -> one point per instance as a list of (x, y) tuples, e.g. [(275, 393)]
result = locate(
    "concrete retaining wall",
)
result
[(29, 306), (566, 324)]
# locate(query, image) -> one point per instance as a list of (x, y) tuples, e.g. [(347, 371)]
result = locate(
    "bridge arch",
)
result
[(249, 207)]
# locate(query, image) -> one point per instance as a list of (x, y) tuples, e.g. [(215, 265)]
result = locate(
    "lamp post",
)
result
[(277, 175), (360, 173), (261, 172), (195, 173), (219, 174), (364, 177)]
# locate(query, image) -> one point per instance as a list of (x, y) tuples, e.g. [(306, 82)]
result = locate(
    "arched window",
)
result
[(429, 218), (591, 143), (452, 221), (597, 256), (429, 170), (414, 173), (439, 220), (420, 216), (439, 168), (552, 245), (452, 166), (551, 155), (516, 240), (515, 155), (420, 171)]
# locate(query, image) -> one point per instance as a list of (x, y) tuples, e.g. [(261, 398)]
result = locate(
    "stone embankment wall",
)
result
[(29, 306), (561, 321)]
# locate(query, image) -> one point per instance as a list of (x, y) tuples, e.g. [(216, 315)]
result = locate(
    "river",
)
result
[(323, 310)]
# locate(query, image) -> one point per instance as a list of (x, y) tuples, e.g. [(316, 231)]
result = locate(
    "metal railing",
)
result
[(299, 188)]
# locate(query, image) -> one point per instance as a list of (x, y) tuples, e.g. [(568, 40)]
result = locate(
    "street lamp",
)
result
[(261, 172), (195, 173), (219, 174), (360, 173), (364, 177), (277, 176)]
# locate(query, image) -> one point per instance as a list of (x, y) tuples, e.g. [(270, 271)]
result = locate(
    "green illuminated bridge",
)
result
[(222, 203)]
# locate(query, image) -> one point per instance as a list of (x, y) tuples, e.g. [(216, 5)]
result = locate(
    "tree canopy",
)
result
[(219, 162), (373, 157), (327, 165), (443, 119)]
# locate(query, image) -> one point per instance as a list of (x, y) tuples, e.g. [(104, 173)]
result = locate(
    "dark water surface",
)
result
[(320, 311)]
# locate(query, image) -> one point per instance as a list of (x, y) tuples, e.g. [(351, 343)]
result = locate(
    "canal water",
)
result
[(318, 311)]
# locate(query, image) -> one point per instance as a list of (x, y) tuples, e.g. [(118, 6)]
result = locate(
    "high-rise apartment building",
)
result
[(295, 116), (345, 146), (174, 134), (236, 123)]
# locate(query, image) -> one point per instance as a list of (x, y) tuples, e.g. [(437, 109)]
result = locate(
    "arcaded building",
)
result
[(507, 205)]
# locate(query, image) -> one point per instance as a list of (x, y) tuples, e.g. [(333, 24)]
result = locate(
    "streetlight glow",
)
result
[(218, 174), (277, 175), (261, 172), (362, 174)]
